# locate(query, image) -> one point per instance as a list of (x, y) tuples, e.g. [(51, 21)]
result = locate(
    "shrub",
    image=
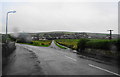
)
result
[(100, 44), (42, 43), (82, 45), (118, 44)]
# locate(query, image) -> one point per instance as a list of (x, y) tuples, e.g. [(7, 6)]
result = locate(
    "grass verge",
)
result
[(70, 43), (59, 45)]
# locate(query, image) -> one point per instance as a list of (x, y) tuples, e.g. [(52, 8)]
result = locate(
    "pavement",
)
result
[(55, 61)]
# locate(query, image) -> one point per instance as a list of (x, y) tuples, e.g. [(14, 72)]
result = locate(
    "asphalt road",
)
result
[(55, 61)]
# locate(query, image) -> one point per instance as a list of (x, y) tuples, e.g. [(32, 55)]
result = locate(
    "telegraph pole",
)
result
[(110, 37)]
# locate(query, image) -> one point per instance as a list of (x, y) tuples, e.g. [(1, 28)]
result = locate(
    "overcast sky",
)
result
[(41, 16)]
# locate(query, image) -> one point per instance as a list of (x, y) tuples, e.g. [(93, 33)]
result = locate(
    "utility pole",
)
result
[(110, 37)]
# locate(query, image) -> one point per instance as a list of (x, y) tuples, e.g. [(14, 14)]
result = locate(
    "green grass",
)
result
[(43, 43), (71, 43), (101, 47), (92, 43), (60, 45)]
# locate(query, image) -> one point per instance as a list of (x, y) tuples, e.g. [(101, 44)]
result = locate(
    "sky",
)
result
[(96, 16)]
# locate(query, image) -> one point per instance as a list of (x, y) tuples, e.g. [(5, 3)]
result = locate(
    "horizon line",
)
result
[(58, 31)]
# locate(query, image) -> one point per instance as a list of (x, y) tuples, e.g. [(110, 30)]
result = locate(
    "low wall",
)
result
[(0, 59), (7, 50), (104, 55)]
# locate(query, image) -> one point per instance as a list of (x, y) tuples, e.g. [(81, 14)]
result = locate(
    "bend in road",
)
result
[(55, 61)]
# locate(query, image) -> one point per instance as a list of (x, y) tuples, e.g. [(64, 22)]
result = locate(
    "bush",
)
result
[(82, 45), (42, 43), (118, 44), (100, 44)]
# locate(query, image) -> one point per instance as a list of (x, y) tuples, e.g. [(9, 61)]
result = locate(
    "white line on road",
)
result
[(70, 58), (66, 56), (103, 69)]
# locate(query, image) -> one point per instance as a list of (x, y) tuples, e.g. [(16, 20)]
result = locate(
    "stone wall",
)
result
[(7, 50)]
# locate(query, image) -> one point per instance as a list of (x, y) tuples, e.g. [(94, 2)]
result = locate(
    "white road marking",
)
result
[(103, 69), (70, 58)]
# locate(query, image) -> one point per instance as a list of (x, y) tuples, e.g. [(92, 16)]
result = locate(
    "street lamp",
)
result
[(7, 22)]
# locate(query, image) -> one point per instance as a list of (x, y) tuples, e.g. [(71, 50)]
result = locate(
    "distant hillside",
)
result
[(68, 35)]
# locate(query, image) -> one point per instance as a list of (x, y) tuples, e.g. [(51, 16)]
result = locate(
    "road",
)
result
[(55, 61)]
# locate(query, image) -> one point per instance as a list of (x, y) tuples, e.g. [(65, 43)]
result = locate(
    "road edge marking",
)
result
[(103, 69)]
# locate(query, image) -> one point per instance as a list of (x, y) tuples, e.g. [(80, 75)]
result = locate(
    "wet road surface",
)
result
[(22, 62), (55, 61)]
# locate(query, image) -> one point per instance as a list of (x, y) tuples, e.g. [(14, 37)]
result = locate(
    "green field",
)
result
[(71, 43), (43, 43)]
